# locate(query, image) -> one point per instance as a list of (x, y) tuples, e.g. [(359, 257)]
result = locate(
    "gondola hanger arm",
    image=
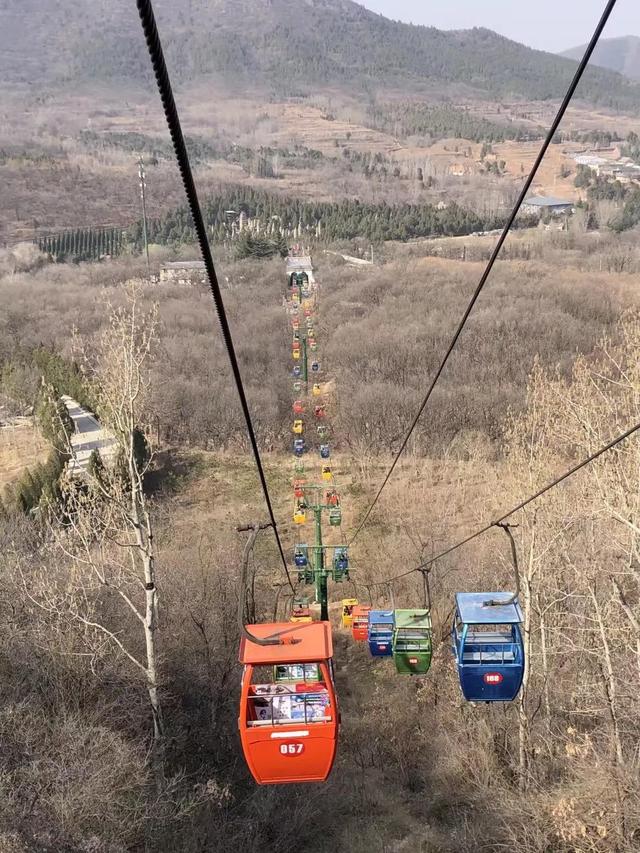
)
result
[(246, 554), (514, 558)]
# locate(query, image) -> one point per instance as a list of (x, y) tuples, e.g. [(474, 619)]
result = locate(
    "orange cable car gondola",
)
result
[(288, 731)]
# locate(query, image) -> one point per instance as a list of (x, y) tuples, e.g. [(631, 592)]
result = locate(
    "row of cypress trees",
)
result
[(327, 221), (82, 244)]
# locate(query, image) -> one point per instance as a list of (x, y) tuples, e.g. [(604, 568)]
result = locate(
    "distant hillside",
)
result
[(289, 45), (619, 54)]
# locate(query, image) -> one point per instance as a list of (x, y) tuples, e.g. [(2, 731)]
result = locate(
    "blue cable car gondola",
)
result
[(304, 568), (380, 633), (297, 370), (324, 451), (487, 645), (340, 563), (300, 555), (299, 446)]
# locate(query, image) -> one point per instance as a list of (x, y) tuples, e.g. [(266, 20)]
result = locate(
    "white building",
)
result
[(183, 272), (542, 204)]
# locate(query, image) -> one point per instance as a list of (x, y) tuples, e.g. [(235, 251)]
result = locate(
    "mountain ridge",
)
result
[(292, 46), (620, 54)]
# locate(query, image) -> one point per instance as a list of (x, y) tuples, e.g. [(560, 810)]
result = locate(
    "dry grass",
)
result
[(21, 447), (519, 158)]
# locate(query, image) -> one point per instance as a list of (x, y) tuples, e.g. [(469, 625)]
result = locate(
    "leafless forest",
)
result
[(547, 372)]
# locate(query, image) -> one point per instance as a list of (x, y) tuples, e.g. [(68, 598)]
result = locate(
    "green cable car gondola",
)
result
[(335, 516), (340, 567), (412, 642)]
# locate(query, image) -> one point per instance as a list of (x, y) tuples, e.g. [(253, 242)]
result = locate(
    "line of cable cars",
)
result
[(405, 635), (486, 641), (289, 719)]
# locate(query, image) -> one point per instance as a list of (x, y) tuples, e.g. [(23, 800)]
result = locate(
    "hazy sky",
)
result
[(546, 24)]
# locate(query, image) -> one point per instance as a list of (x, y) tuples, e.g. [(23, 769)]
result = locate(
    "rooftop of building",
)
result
[(547, 201)]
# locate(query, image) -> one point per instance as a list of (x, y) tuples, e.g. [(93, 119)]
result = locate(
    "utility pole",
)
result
[(143, 199)]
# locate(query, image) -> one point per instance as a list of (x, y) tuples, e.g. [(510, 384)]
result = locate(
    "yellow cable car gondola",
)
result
[(300, 516), (298, 426), (347, 611)]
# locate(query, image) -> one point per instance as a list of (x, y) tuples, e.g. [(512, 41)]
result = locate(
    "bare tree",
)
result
[(106, 532)]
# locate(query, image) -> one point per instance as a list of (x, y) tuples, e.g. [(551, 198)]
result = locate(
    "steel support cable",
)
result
[(145, 9), (498, 522), (496, 251)]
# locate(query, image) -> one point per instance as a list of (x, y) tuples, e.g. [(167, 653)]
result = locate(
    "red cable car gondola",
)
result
[(289, 731), (360, 621)]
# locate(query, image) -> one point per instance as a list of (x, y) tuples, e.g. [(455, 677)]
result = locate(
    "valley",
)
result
[(379, 161)]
